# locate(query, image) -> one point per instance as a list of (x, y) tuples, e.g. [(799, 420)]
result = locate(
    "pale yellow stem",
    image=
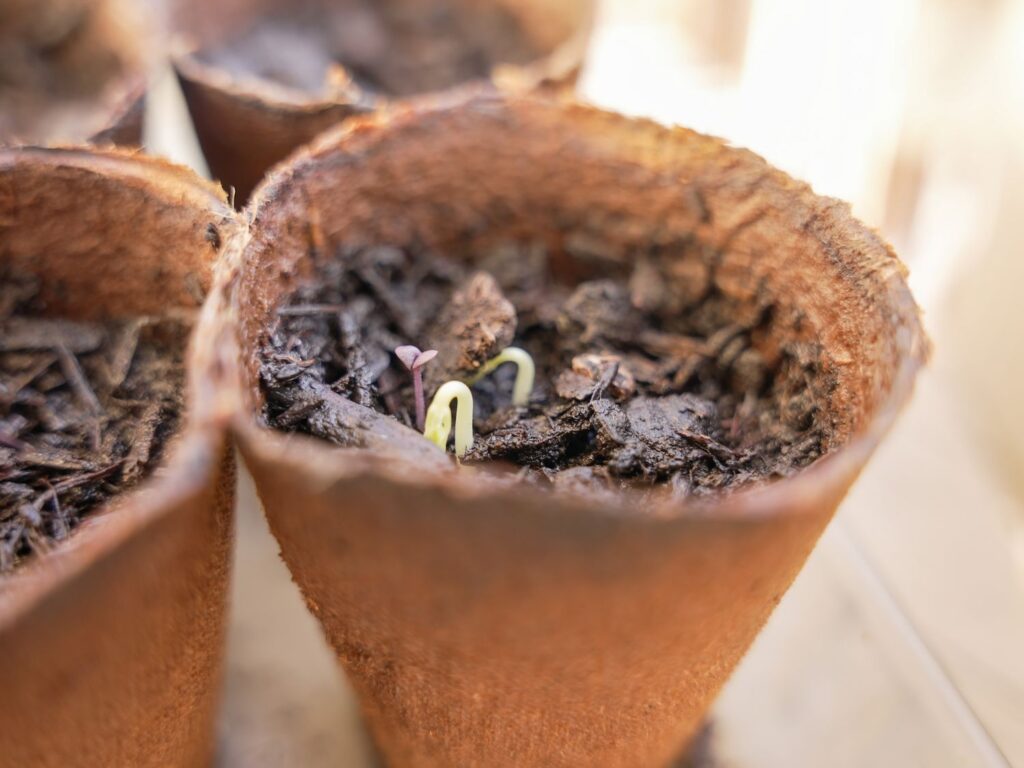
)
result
[(439, 417), (524, 374)]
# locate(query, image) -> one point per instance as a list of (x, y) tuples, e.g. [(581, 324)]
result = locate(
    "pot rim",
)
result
[(800, 494), (252, 91), (556, 66), (199, 439)]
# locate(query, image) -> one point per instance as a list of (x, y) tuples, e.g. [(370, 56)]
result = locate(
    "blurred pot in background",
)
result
[(70, 71), (111, 633), (484, 623), (262, 77)]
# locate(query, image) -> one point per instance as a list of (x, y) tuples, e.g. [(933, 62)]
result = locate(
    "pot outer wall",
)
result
[(120, 663), (243, 137), (517, 636), (111, 646), (245, 130), (489, 627)]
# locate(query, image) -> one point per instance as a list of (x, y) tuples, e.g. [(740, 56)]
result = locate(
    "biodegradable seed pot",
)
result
[(116, 485), (262, 77), (71, 71), (716, 352)]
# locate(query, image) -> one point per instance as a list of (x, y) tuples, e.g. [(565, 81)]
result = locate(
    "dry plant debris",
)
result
[(86, 410)]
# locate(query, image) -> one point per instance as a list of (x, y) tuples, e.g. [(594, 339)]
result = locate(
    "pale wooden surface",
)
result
[(902, 641)]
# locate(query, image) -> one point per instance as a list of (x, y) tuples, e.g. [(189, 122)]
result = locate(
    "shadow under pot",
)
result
[(262, 77), (716, 352), (71, 71), (116, 485)]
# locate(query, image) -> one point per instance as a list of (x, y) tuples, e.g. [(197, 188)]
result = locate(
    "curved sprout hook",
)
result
[(524, 375), (439, 417)]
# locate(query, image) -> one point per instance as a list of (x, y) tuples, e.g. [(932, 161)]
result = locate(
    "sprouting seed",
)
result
[(439, 417), (524, 375), (414, 360)]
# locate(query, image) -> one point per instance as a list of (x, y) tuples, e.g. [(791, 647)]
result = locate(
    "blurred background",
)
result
[(902, 642)]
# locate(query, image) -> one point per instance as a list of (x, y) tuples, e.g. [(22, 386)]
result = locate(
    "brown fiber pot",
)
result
[(245, 127), (111, 645), (87, 57), (483, 626)]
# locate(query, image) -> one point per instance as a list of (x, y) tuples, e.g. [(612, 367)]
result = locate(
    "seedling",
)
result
[(439, 417), (524, 375), (414, 360)]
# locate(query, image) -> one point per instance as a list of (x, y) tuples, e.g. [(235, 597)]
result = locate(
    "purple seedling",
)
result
[(414, 360)]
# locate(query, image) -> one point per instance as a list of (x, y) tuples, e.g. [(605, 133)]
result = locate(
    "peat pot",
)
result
[(71, 71), (252, 104), (488, 622), (111, 641)]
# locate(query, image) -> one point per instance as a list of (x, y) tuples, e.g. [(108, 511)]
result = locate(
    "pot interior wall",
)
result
[(101, 240), (465, 179)]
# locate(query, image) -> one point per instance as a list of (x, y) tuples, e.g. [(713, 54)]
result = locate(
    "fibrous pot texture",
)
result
[(487, 623), (111, 642), (261, 77), (71, 71)]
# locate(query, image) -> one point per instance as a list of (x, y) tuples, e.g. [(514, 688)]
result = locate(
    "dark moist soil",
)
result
[(393, 49), (694, 400), (86, 410)]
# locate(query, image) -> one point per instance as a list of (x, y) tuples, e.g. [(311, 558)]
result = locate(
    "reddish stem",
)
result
[(417, 388), (414, 359)]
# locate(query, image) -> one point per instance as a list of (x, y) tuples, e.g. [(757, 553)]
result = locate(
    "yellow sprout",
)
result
[(439, 417), (524, 375)]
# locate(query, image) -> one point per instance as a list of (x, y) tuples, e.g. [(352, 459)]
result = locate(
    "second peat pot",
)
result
[(263, 77), (715, 351), (116, 483)]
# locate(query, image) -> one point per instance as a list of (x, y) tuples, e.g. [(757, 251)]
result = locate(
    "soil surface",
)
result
[(386, 48), (86, 410), (635, 386)]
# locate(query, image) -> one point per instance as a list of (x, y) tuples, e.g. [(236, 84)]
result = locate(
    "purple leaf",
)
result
[(408, 354), (423, 358)]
